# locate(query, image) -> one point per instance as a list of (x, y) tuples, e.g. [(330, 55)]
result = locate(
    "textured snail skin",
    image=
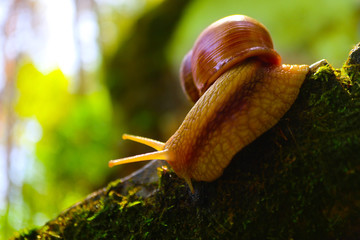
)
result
[(230, 115), (243, 102)]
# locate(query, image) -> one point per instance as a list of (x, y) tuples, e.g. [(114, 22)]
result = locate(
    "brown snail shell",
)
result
[(221, 46)]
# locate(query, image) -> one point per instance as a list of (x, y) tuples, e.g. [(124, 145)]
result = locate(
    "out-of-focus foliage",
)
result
[(44, 96), (117, 22), (139, 76), (75, 143)]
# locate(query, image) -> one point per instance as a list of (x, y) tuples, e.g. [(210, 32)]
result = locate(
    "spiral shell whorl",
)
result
[(224, 44), (187, 81)]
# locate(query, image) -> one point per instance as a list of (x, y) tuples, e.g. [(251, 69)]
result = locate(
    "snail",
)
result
[(240, 90)]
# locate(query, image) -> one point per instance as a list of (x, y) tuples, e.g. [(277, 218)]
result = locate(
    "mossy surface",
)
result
[(299, 180)]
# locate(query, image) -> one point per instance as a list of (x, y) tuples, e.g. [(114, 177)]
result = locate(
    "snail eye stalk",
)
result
[(161, 153)]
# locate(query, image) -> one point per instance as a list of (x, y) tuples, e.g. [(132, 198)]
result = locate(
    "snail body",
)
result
[(250, 92)]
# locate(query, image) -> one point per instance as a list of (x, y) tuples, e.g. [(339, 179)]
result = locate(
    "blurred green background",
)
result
[(76, 74)]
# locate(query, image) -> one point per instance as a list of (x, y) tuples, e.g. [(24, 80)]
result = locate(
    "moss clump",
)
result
[(299, 180)]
